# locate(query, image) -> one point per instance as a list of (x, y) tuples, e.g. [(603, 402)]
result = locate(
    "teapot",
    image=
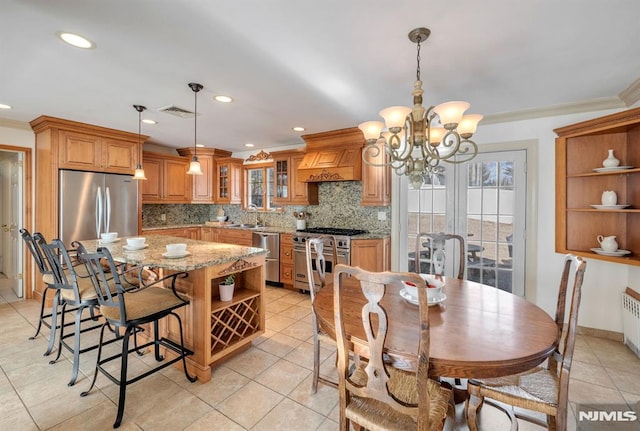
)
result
[(607, 243)]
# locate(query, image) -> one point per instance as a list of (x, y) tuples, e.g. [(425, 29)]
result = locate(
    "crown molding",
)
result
[(599, 104), (631, 94), (14, 124)]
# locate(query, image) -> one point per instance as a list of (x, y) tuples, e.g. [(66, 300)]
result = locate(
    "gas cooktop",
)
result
[(332, 231)]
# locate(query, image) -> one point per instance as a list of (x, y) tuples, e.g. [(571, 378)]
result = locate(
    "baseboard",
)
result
[(601, 333)]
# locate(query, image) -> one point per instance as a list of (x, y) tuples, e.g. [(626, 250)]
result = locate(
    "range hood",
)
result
[(332, 156)]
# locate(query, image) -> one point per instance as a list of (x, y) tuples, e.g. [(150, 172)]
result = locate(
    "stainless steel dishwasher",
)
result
[(269, 241)]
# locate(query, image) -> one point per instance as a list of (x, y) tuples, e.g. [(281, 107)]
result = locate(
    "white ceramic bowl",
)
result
[(222, 218), (136, 242), (434, 287), (109, 236), (176, 249)]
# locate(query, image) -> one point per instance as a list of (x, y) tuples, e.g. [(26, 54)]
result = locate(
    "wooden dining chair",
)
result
[(316, 264), (373, 394), (435, 252), (544, 389), (128, 311)]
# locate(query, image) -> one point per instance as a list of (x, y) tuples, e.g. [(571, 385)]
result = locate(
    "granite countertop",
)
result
[(201, 253), (277, 229)]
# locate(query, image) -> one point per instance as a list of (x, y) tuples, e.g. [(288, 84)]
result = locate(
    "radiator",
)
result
[(631, 322)]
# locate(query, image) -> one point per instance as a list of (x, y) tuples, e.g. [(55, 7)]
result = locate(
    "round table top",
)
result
[(478, 331)]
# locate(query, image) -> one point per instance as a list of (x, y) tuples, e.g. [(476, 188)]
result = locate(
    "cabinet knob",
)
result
[(287, 253)]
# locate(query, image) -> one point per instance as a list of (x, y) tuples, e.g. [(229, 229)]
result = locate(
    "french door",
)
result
[(484, 201)]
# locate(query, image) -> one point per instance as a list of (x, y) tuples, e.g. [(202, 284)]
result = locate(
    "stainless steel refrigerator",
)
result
[(92, 203)]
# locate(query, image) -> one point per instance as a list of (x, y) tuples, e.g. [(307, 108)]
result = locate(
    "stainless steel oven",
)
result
[(342, 238)]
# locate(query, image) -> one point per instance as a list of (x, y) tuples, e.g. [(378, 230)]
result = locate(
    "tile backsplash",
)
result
[(339, 206)]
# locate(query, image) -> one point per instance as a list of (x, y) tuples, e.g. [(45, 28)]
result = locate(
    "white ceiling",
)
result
[(324, 65)]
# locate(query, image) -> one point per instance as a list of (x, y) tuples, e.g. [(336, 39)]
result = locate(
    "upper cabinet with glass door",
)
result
[(288, 189), (228, 180)]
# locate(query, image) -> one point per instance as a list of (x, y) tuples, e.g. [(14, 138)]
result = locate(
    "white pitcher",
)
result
[(607, 243)]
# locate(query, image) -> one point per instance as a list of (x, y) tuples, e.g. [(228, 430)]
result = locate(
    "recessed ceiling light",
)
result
[(149, 121), (223, 99), (200, 145), (298, 129), (3, 106), (76, 40), (249, 145)]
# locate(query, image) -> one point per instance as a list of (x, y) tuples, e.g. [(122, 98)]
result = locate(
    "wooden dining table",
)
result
[(477, 331)]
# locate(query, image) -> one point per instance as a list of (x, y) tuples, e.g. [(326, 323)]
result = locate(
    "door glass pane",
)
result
[(255, 187)]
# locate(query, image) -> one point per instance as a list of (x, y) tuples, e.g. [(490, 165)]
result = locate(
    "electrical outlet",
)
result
[(163, 217), (382, 215)]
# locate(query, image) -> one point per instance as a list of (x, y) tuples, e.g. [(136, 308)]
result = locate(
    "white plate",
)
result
[(610, 253), (176, 256), (413, 300), (103, 242), (609, 207), (129, 248), (615, 168)]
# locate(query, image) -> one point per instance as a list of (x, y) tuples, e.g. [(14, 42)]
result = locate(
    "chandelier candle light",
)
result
[(414, 146), (194, 166)]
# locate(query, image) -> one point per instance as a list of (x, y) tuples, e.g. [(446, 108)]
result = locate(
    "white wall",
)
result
[(603, 283)]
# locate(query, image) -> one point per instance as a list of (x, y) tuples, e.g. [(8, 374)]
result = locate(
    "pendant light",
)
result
[(139, 173), (194, 166)]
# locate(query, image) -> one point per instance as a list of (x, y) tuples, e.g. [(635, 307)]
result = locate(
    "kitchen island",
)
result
[(213, 329)]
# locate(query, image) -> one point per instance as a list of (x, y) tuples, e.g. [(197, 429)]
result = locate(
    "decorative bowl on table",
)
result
[(434, 289)]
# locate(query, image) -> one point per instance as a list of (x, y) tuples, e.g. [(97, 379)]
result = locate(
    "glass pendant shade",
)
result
[(371, 129), (395, 116), (194, 167), (139, 173), (451, 112), (435, 135), (469, 124)]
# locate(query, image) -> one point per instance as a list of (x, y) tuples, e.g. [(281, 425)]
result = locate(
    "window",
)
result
[(259, 181)]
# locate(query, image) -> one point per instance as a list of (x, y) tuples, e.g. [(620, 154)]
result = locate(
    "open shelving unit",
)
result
[(581, 148)]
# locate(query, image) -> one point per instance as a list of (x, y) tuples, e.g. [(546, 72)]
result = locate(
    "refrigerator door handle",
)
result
[(107, 213), (98, 212)]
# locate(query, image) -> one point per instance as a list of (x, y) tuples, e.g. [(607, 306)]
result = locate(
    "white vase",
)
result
[(226, 291), (610, 161), (609, 198)]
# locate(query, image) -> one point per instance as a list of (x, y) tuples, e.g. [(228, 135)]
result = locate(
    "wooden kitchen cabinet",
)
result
[(209, 234), (376, 181), (203, 186), (229, 176), (167, 179), (288, 189), (286, 260), (371, 254), (236, 236), (580, 149), (180, 232), (89, 152)]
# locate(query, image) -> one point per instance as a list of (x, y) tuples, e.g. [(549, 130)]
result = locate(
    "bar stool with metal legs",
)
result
[(75, 290), (50, 320), (130, 310)]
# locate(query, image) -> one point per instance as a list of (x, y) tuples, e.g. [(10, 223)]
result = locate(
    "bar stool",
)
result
[(50, 320), (128, 310)]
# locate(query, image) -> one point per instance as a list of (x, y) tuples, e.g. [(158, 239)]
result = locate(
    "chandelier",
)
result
[(413, 143)]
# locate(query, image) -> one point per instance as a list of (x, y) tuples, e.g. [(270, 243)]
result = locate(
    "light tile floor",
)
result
[(265, 388)]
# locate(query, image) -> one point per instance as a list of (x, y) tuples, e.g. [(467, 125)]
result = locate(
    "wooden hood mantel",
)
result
[(332, 156)]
